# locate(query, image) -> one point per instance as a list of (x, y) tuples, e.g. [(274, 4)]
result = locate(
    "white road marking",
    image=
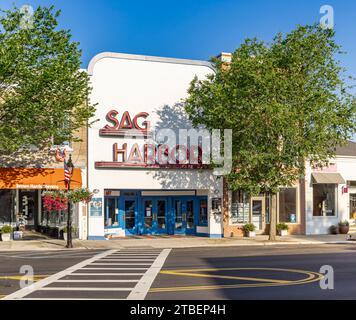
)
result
[(127, 259), (107, 274), (141, 289), (152, 262), (119, 264), (83, 289), (114, 269), (28, 290), (66, 299), (99, 281)]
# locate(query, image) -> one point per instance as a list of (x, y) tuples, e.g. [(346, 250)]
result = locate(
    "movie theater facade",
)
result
[(139, 188)]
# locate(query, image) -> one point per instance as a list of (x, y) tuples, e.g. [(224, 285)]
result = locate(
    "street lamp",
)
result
[(70, 168)]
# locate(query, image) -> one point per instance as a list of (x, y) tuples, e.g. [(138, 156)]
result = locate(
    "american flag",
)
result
[(66, 174)]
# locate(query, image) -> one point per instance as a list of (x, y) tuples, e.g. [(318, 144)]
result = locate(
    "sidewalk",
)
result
[(173, 242)]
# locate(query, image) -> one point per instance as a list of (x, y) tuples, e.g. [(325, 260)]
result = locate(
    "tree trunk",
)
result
[(273, 218)]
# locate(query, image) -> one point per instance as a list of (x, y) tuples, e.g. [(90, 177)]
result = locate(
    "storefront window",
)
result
[(28, 206), (111, 212), (203, 212), (7, 201), (288, 205), (324, 204), (240, 207)]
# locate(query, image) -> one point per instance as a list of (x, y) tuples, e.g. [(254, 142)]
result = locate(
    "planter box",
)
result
[(344, 229), (6, 236), (251, 234), (18, 235), (283, 233)]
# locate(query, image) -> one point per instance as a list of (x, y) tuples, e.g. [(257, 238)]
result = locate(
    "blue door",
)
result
[(155, 215), (130, 215), (148, 221), (160, 216), (184, 211)]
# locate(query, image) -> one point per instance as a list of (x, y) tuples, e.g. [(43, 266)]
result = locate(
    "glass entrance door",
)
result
[(154, 215), (148, 221), (161, 216), (184, 216), (130, 210), (258, 213), (353, 206)]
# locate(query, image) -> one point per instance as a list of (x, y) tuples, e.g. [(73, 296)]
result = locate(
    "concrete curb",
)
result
[(241, 243)]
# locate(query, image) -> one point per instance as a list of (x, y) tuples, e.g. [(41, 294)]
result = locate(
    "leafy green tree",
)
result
[(287, 102), (43, 92)]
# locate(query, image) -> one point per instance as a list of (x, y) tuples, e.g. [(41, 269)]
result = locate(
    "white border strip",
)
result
[(42, 283), (141, 289)]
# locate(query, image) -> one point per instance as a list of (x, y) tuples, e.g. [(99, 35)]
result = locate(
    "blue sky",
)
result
[(191, 29)]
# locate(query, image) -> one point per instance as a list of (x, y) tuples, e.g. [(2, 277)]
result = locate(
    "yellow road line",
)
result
[(35, 278), (202, 275), (312, 277)]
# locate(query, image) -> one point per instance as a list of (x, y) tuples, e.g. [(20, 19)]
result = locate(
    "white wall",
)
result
[(141, 84)]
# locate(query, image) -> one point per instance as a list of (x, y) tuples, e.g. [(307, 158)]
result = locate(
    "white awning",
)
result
[(328, 178)]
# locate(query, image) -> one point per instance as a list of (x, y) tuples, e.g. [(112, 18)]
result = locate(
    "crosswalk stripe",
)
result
[(66, 299), (114, 269), (144, 263), (98, 281), (119, 264), (82, 289), (128, 259), (107, 274)]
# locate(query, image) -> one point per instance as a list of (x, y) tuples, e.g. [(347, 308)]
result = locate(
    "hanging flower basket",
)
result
[(58, 200), (55, 202)]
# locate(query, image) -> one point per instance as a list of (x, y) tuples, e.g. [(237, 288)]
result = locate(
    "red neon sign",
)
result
[(126, 123)]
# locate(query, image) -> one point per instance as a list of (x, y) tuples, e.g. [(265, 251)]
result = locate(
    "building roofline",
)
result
[(125, 56)]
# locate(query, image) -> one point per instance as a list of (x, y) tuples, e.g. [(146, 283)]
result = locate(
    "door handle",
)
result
[(184, 217)]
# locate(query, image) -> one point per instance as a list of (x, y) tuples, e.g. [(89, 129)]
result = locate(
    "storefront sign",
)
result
[(36, 187), (96, 206), (145, 155), (135, 126)]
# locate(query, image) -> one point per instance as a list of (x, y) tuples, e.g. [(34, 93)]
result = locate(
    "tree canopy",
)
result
[(43, 92), (286, 101)]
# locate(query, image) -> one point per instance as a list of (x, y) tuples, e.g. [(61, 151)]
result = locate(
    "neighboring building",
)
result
[(21, 187), (330, 194), (136, 96)]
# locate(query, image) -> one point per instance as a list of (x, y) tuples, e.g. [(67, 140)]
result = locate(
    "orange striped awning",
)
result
[(37, 178)]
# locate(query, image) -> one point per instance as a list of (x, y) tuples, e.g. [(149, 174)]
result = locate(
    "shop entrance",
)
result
[(184, 216), (154, 216), (258, 212), (353, 206), (140, 215), (28, 205)]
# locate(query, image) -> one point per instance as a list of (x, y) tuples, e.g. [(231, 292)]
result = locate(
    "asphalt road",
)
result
[(44, 264), (245, 273), (236, 273)]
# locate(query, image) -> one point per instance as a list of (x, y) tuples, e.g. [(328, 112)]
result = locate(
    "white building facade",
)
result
[(330, 193), (136, 97)]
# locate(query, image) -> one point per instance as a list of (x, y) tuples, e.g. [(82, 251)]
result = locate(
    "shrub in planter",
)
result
[(249, 230), (282, 229), (6, 233), (344, 227), (333, 230)]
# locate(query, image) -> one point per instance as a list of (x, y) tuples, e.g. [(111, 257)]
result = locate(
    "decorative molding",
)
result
[(125, 56)]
